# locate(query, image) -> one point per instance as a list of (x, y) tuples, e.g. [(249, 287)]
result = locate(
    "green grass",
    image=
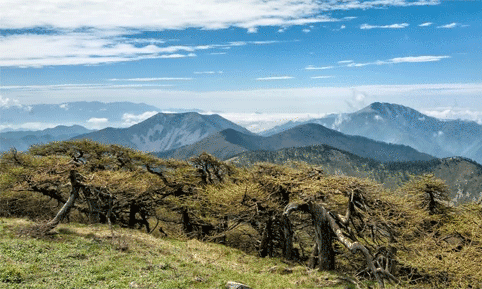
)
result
[(86, 256)]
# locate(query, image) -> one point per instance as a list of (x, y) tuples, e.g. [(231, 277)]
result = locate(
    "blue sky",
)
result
[(241, 57)]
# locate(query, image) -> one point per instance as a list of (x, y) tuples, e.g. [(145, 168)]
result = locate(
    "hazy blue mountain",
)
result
[(227, 143), (22, 140), (463, 176), (398, 124), (72, 112), (165, 131)]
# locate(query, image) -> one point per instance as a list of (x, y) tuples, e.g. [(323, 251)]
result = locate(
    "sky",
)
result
[(245, 59)]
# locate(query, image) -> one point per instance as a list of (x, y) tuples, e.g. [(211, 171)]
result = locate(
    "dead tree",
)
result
[(330, 227)]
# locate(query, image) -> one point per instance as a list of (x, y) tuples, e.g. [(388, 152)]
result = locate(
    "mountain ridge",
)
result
[(304, 135), (398, 124), (22, 140), (463, 176), (164, 131)]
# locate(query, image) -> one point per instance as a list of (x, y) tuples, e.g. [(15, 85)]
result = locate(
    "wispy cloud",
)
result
[(110, 36), (275, 78), (397, 60), (313, 99), (208, 72), (322, 77), (345, 61), (177, 55), (130, 119), (311, 67), (149, 79), (391, 26), (60, 87), (93, 47), (258, 122), (414, 59), (449, 26), (306, 30), (426, 24)]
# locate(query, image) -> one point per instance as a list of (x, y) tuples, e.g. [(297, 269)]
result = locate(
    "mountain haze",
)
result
[(22, 140), (72, 112), (393, 123), (165, 131), (227, 143)]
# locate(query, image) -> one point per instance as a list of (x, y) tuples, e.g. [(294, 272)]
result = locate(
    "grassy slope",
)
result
[(82, 256)]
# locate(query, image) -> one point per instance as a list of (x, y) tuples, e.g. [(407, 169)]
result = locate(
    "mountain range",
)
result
[(228, 143), (462, 176), (22, 140), (165, 131), (386, 142), (190, 132), (397, 124)]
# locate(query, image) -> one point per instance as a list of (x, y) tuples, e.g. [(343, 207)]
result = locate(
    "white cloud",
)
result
[(258, 122), (425, 24), (322, 77), (397, 60), (169, 14), (92, 47), (342, 27), (149, 79), (412, 59), (177, 55), (208, 72), (311, 67), (323, 99), (449, 26), (97, 123), (306, 30), (6, 102), (392, 26), (28, 126), (131, 119), (275, 78), (111, 27), (455, 113), (345, 61), (63, 87)]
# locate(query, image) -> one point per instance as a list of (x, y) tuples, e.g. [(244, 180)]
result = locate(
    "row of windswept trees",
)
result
[(295, 211)]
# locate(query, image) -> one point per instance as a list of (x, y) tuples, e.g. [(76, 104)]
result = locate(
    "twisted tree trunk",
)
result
[(75, 181), (326, 230)]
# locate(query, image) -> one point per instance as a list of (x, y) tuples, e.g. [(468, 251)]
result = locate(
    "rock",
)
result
[(280, 270), (236, 285)]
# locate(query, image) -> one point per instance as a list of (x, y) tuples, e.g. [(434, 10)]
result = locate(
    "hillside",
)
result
[(164, 131), (397, 124), (463, 176), (228, 143), (81, 256), (267, 211)]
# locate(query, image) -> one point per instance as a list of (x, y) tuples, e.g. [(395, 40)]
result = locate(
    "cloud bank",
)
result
[(84, 32)]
